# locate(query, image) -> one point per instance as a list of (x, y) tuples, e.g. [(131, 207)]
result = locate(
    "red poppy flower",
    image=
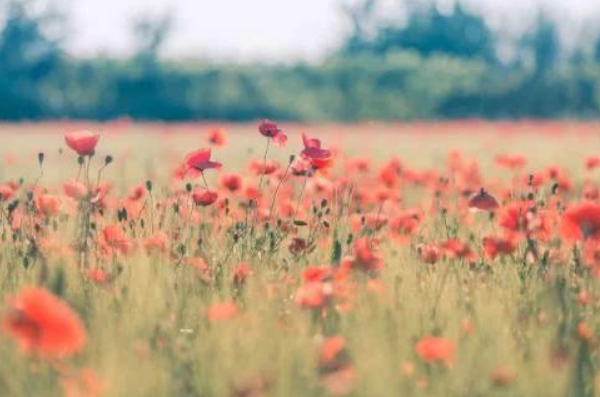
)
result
[(592, 162), (365, 256), (314, 295), (74, 190), (204, 198), (455, 248), (298, 245), (217, 137), (82, 142), (330, 350), (115, 238), (316, 274), (200, 161), (43, 324), (270, 130), (6, 192), (510, 162), (483, 201), (232, 182), (429, 253), (241, 273), (494, 246), (260, 167), (318, 157), (433, 349), (581, 222), (156, 243), (221, 311), (48, 205)]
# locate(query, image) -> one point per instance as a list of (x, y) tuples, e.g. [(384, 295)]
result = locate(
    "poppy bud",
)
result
[(108, 159), (188, 187), (149, 185), (41, 158), (80, 160)]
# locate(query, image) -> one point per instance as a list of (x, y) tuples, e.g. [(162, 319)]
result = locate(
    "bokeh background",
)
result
[(309, 60)]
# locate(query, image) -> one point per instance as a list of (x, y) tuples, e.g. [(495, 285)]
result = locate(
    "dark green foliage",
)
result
[(433, 65)]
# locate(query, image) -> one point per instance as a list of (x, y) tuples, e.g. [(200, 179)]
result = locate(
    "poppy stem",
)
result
[(277, 190)]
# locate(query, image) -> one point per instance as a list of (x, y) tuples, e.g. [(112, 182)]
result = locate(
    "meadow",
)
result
[(424, 259)]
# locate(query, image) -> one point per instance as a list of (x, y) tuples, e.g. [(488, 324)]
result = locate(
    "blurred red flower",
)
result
[(82, 142), (43, 324)]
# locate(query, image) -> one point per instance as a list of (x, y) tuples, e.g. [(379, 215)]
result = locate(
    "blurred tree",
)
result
[(428, 31), (544, 45), (597, 50), (28, 55), (151, 33)]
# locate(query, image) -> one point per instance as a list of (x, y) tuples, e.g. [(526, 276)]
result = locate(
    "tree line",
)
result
[(429, 64)]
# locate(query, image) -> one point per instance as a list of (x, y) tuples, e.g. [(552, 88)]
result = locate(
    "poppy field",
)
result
[(273, 259)]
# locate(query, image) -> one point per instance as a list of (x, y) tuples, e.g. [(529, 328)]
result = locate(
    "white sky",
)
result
[(262, 29)]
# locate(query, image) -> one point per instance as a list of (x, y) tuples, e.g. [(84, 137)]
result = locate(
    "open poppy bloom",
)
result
[(204, 198), (43, 324), (200, 161), (271, 130), (581, 222), (6, 192), (116, 239), (221, 311), (75, 190), (318, 157), (511, 162), (82, 142), (48, 205), (483, 201), (432, 349), (217, 137), (494, 246), (232, 182)]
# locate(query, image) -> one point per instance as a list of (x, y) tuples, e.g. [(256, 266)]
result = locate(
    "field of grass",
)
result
[(363, 267)]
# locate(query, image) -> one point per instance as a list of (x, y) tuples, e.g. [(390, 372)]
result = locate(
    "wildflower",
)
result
[(454, 248), (592, 162), (200, 161), (43, 324), (494, 246), (6, 192), (429, 253), (232, 182), (48, 205), (319, 158), (260, 167), (115, 238), (82, 142), (217, 137), (204, 198), (314, 295), (510, 162), (433, 349), (581, 222), (74, 190), (270, 130), (241, 273), (365, 257), (222, 311), (483, 201), (156, 243), (137, 192)]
